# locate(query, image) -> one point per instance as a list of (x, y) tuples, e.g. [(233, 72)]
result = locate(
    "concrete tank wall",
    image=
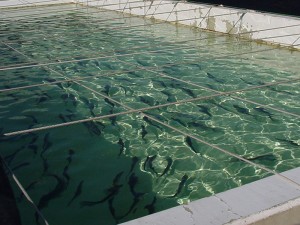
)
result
[(272, 28)]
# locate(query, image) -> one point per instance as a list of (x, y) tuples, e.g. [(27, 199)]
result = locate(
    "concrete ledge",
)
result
[(258, 202), (285, 214), (271, 28)]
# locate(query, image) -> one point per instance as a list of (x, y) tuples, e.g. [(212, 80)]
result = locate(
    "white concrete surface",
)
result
[(248, 204), (272, 28)]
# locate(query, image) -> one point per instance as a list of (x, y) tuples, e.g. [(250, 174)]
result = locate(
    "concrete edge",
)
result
[(269, 28), (248, 204), (275, 213)]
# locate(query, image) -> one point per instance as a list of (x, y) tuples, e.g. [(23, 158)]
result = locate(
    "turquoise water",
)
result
[(113, 170)]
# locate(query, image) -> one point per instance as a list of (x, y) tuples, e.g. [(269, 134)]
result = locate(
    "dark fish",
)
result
[(108, 65), (12, 138), (196, 65), (77, 193), (29, 187), (14, 37), (181, 185), (290, 142), (146, 163), (171, 98), (112, 210), (6, 86), (151, 159), (157, 116), (113, 119), (45, 164), (133, 180), (134, 161), (109, 102), (222, 107), (89, 104), (46, 144), (42, 99), (126, 90), (151, 123), (170, 161), (122, 146), (248, 82), (106, 89), (72, 98), (55, 193), (179, 121), (34, 120), (267, 157), (264, 111), (210, 76), (92, 127), (189, 92), (82, 63), (100, 124), (71, 153), (20, 166), (142, 62), (147, 100), (34, 139), (280, 91), (33, 147), (135, 74), (242, 110), (69, 159), (70, 116), (189, 142), (205, 110), (112, 191), (144, 132), (97, 63), (13, 96), (131, 209), (69, 98), (62, 117), (64, 96), (151, 207)]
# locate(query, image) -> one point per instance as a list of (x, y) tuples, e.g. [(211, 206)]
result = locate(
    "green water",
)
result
[(129, 166)]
